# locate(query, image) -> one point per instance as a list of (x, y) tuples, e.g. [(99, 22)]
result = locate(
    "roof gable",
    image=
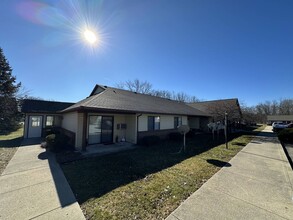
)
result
[(98, 89)]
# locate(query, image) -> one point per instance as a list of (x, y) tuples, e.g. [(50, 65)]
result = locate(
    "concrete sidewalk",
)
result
[(257, 185), (33, 186)]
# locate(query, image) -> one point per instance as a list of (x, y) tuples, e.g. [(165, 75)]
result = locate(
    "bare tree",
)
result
[(136, 85), (264, 108), (250, 115), (274, 107), (120, 85), (180, 96), (193, 99), (283, 107), (22, 93), (219, 109), (145, 87), (286, 107), (162, 93)]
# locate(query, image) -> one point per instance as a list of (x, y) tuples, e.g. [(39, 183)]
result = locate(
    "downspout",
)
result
[(137, 126)]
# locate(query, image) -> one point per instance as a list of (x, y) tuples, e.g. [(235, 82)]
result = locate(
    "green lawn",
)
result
[(149, 182), (8, 146)]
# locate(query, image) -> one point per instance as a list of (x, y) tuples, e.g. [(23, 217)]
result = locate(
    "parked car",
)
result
[(277, 123), (280, 126)]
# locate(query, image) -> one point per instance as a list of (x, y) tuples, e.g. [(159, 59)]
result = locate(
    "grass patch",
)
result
[(150, 182), (255, 128), (8, 146)]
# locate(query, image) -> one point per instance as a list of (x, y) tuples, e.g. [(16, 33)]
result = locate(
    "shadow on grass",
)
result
[(251, 128), (238, 143), (95, 177), (11, 143), (219, 163)]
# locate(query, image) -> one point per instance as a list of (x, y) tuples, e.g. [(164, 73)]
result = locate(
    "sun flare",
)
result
[(90, 37)]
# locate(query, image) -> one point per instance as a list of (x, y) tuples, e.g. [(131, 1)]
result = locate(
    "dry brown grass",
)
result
[(8, 147)]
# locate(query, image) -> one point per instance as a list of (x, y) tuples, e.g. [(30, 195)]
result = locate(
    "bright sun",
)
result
[(90, 36)]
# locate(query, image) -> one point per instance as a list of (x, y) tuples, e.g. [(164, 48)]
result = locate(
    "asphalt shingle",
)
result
[(41, 106), (118, 100)]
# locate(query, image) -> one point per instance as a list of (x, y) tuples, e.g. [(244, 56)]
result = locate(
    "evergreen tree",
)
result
[(9, 114)]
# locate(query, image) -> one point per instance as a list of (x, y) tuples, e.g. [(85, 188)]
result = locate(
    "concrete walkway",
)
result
[(257, 185), (33, 186)]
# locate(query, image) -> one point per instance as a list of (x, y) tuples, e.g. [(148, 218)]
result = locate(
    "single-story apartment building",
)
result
[(40, 114), (111, 115), (279, 118), (217, 109)]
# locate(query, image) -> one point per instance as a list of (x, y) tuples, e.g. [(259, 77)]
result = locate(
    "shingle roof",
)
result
[(214, 107), (118, 100), (41, 106)]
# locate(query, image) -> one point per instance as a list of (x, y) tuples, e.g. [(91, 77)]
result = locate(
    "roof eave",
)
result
[(93, 109)]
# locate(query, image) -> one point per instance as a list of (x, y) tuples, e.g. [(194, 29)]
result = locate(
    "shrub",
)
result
[(57, 142), (286, 135), (150, 140), (191, 134), (175, 136), (51, 130)]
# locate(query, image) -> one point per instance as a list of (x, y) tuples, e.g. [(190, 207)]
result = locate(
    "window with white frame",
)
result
[(49, 120), (177, 122), (153, 123)]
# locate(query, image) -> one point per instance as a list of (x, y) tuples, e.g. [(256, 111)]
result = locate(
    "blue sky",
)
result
[(208, 48)]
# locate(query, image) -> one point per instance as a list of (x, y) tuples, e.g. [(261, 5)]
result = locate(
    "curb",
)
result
[(287, 155)]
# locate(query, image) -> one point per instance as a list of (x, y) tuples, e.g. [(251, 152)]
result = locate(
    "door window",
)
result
[(36, 121)]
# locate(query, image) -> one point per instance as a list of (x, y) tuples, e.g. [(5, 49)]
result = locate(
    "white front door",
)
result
[(35, 126)]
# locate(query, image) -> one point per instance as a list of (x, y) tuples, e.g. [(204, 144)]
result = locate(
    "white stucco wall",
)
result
[(79, 131), (69, 121), (72, 123), (131, 132), (184, 120), (143, 123), (120, 133)]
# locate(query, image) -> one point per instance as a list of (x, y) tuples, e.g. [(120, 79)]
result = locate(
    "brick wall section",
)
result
[(69, 134), (163, 134)]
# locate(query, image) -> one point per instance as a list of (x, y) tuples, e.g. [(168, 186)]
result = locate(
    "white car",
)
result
[(277, 126)]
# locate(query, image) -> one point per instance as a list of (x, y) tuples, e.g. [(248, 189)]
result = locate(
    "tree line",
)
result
[(145, 87), (259, 112)]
